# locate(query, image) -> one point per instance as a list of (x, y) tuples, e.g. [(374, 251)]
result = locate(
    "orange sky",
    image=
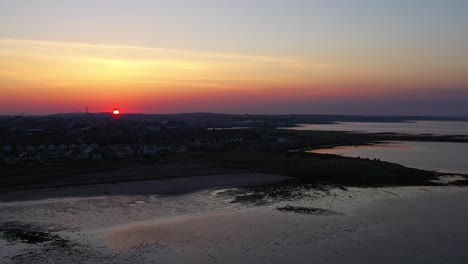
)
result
[(220, 56), (69, 76)]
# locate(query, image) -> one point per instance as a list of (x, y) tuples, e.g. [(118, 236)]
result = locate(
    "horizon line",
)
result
[(233, 114)]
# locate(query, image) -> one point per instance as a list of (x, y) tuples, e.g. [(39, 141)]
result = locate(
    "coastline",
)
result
[(205, 226), (251, 156), (248, 204), (160, 187)]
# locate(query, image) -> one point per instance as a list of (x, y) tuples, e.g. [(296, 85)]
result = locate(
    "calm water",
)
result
[(416, 127), (439, 156)]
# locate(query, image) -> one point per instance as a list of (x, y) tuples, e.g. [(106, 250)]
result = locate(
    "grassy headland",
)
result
[(250, 156)]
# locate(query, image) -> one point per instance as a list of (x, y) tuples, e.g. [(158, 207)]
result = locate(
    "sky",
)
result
[(402, 57)]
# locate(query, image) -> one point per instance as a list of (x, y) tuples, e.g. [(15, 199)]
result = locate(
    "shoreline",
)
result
[(163, 220), (298, 166), (162, 187), (252, 156)]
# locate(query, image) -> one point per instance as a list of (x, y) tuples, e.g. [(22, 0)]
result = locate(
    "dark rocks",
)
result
[(25, 234), (309, 210)]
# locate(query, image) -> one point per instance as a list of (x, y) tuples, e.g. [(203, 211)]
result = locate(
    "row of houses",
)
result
[(80, 152)]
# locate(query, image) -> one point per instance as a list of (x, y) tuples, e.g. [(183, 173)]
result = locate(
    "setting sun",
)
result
[(251, 131)]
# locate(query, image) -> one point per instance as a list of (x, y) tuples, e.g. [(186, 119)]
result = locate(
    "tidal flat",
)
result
[(236, 219)]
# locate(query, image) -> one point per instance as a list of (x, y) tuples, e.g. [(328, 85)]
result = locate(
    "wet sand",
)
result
[(402, 225), (167, 222)]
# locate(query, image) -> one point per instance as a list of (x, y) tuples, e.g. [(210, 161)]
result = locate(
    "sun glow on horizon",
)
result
[(66, 73), (171, 56)]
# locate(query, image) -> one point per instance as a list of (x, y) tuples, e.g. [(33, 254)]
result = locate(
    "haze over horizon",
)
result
[(269, 57)]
